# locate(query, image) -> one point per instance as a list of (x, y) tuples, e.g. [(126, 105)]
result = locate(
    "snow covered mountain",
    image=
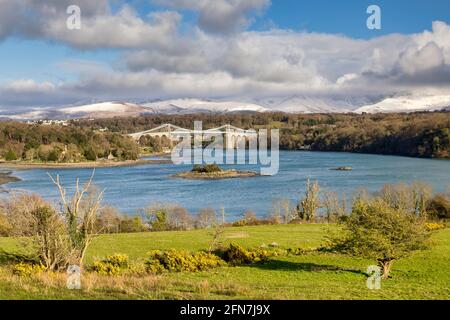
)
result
[(408, 104), (96, 110), (306, 104), (184, 106), (291, 104)]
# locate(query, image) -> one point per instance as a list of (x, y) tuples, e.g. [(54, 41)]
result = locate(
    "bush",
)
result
[(111, 265), (434, 226), (257, 222), (439, 207), (5, 226), (27, 269), (53, 156), (238, 255), (105, 268), (118, 259), (90, 155), (207, 168), (132, 225), (10, 156), (178, 261)]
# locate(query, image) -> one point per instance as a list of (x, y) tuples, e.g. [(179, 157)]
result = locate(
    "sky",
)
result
[(141, 50)]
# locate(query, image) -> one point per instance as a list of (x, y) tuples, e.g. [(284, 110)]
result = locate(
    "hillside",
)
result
[(307, 276), (408, 104), (296, 104)]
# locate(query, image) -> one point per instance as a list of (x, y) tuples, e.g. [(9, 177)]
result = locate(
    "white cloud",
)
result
[(414, 60), (29, 85), (216, 59), (100, 28), (220, 16)]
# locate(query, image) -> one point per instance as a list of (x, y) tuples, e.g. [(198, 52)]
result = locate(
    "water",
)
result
[(132, 188)]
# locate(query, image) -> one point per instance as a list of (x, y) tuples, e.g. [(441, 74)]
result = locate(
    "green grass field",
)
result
[(424, 275)]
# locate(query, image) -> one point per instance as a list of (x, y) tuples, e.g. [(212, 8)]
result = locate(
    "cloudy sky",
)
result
[(141, 50)]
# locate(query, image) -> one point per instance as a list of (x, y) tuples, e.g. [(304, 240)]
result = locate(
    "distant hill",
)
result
[(293, 104)]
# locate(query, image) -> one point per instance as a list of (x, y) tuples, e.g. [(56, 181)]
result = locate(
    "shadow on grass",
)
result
[(302, 266)]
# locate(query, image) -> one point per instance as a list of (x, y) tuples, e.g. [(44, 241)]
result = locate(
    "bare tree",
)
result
[(275, 212), (206, 218), (250, 216), (80, 212), (286, 206), (179, 218), (331, 203), (310, 202)]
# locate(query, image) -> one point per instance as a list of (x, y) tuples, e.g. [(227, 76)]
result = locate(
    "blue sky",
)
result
[(21, 58), (32, 50), (348, 16)]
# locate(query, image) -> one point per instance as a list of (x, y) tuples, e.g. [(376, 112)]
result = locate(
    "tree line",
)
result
[(57, 143), (425, 134)]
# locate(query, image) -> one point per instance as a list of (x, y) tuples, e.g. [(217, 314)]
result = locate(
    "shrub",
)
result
[(240, 223), (238, 255), (53, 156), (111, 265), (131, 225), (439, 207), (5, 226), (90, 155), (10, 156), (178, 261), (27, 269), (118, 259), (105, 268), (208, 168), (434, 226)]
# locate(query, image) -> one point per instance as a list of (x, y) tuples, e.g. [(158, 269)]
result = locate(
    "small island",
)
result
[(342, 169), (213, 172)]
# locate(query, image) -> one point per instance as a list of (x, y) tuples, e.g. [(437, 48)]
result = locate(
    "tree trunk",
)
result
[(386, 267)]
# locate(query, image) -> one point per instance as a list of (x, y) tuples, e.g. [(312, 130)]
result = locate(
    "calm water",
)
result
[(132, 188)]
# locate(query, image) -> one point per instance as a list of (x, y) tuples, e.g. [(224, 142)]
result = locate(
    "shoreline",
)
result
[(79, 165)]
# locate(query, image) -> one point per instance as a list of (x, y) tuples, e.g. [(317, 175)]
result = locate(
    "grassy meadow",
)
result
[(315, 275)]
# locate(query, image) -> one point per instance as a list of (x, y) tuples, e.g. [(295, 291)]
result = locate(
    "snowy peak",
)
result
[(408, 104), (181, 106), (291, 104), (96, 110), (305, 104), (112, 107)]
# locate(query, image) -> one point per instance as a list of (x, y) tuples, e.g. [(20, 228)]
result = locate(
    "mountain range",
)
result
[(291, 104)]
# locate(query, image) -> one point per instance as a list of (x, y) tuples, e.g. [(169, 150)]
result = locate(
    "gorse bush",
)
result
[(105, 268), (118, 259), (178, 261), (238, 255), (27, 269), (111, 265), (432, 226)]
